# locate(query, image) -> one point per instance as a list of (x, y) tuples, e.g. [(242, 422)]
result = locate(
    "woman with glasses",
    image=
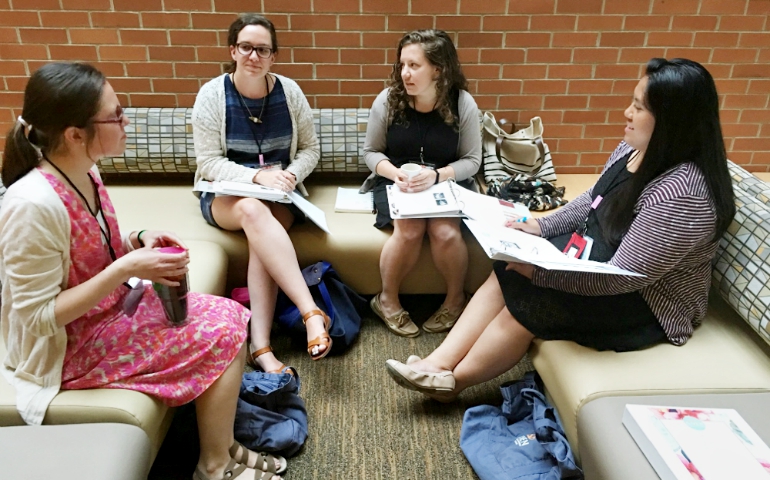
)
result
[(253, 126), (425, 116), (71, 319)]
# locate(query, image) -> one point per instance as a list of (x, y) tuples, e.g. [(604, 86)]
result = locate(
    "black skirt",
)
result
[(613, 322)]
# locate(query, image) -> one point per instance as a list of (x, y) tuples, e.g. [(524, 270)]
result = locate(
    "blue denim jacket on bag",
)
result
[(271, 416)]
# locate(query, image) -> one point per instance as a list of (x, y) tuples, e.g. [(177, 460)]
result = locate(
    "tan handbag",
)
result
[(509, 154)]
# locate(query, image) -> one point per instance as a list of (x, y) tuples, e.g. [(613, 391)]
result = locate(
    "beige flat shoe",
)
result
[(422, 382), (443, 397), (399, 323), (443, 320)]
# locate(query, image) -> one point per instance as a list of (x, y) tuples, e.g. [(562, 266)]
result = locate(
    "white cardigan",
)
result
[(34, 267), (210, 138)]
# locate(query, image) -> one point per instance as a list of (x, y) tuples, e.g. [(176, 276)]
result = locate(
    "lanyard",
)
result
[(252, 123), (599, 197), (107, 234)]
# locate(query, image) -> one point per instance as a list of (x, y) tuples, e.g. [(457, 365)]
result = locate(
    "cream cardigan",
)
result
[(209, 134), (34, 267)]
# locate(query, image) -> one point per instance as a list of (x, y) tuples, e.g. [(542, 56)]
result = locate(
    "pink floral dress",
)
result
[(108, 349)]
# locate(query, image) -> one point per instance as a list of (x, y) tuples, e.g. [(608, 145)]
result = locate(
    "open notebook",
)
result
[(238, 189), (448, 199)]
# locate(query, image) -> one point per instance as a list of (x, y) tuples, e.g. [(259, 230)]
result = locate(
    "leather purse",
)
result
[(519, 152)]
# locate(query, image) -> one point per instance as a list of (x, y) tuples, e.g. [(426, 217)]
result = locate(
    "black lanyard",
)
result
[(107, 234), (252, 125)]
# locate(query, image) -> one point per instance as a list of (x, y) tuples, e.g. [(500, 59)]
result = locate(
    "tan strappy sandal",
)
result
[(323, 339), (233, 471), (252, 360), (261, 460)]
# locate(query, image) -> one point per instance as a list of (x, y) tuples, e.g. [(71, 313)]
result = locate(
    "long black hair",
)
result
[(441, 53), (683, 99), (57, 96)]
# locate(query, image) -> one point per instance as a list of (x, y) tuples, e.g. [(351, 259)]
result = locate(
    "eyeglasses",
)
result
[(245, 49), (118, 115)]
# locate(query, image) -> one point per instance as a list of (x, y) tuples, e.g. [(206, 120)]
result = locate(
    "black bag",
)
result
[(343, 305), (536, 194)]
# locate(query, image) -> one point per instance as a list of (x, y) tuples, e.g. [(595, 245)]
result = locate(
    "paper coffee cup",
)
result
[(411, 169)]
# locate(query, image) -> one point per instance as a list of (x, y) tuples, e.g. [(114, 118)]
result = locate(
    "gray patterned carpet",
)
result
[(362, 425)]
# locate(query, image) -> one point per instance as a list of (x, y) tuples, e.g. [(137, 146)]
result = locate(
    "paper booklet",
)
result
[(704, 443), (238, 189), (350, 201), (447, 199), (507, 244)]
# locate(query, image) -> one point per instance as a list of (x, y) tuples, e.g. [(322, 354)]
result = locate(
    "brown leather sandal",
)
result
[(323, 339), (252, 360)]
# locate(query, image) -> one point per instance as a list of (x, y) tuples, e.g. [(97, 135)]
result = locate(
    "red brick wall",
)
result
[(573, 62)]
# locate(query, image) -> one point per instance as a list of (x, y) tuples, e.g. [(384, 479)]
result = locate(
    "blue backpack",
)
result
[(523, 440)]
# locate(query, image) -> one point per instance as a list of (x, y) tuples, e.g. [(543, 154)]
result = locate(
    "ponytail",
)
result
[(20, 156)]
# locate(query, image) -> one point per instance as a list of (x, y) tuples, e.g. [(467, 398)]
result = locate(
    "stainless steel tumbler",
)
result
[(174, 298)]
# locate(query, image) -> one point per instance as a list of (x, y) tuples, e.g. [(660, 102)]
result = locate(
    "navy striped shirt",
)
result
[(244, 138), (670, 241)]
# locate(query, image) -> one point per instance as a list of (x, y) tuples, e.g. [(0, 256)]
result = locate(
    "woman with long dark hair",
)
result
[(659, 209), (70, 318), (254, 126), (425, 116)]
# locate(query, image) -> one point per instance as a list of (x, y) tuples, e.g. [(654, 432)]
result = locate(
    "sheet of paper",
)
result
[(315, 214)]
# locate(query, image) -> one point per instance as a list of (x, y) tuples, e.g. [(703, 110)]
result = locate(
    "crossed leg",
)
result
[(272, 265)]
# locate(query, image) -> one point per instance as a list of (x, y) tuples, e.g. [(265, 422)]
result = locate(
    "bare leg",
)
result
[(398, 257), (215, 409), (497, 350), (450, 255), (269, 242), (485, 305)]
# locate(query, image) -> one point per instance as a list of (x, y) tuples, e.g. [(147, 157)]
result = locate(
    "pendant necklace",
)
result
[(264, 101), (418, 121)]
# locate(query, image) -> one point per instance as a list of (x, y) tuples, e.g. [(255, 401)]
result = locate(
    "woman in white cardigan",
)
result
[(254, 126), (70, 316)]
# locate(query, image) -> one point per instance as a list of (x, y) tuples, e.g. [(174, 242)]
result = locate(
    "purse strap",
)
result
[(501, 138)]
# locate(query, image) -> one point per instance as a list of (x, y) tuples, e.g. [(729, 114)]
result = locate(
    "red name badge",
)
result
[(575, 246)]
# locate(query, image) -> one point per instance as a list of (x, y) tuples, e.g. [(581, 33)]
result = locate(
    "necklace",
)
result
[(264, 101)]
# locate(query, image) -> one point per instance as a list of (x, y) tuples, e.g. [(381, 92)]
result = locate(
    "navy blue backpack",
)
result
[(523, 440), (343, 305)]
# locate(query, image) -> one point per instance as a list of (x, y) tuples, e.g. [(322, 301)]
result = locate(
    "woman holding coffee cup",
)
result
[(423, 129), (72, 317)]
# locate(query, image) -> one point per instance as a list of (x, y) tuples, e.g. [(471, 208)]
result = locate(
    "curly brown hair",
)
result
[(441, 53)]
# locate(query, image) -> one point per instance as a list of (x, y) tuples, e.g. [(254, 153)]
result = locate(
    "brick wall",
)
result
[(573, 62)]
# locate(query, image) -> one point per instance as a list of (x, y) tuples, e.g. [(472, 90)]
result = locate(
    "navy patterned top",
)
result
[(670, 241), (245, 139)]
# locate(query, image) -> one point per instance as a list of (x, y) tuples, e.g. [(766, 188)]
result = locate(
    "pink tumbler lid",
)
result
[(172, 250)]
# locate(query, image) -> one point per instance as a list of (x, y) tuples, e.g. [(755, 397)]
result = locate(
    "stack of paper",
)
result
[(350, 201)]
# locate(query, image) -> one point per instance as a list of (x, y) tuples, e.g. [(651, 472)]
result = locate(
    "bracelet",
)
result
[(139, 238), (437, 176)]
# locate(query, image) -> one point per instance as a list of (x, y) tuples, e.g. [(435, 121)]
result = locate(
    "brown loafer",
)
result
[(443, 320), (443, 397), (399, 323), (423, 382)]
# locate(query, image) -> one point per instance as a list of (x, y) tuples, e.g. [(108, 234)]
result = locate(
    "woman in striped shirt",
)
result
[(659, 208)]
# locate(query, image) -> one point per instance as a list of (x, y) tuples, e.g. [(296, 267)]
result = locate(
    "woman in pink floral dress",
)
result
[(69, 317)]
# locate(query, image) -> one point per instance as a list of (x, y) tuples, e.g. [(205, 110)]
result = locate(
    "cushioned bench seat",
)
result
[(353, 248), (723, 356), (207, 273)]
